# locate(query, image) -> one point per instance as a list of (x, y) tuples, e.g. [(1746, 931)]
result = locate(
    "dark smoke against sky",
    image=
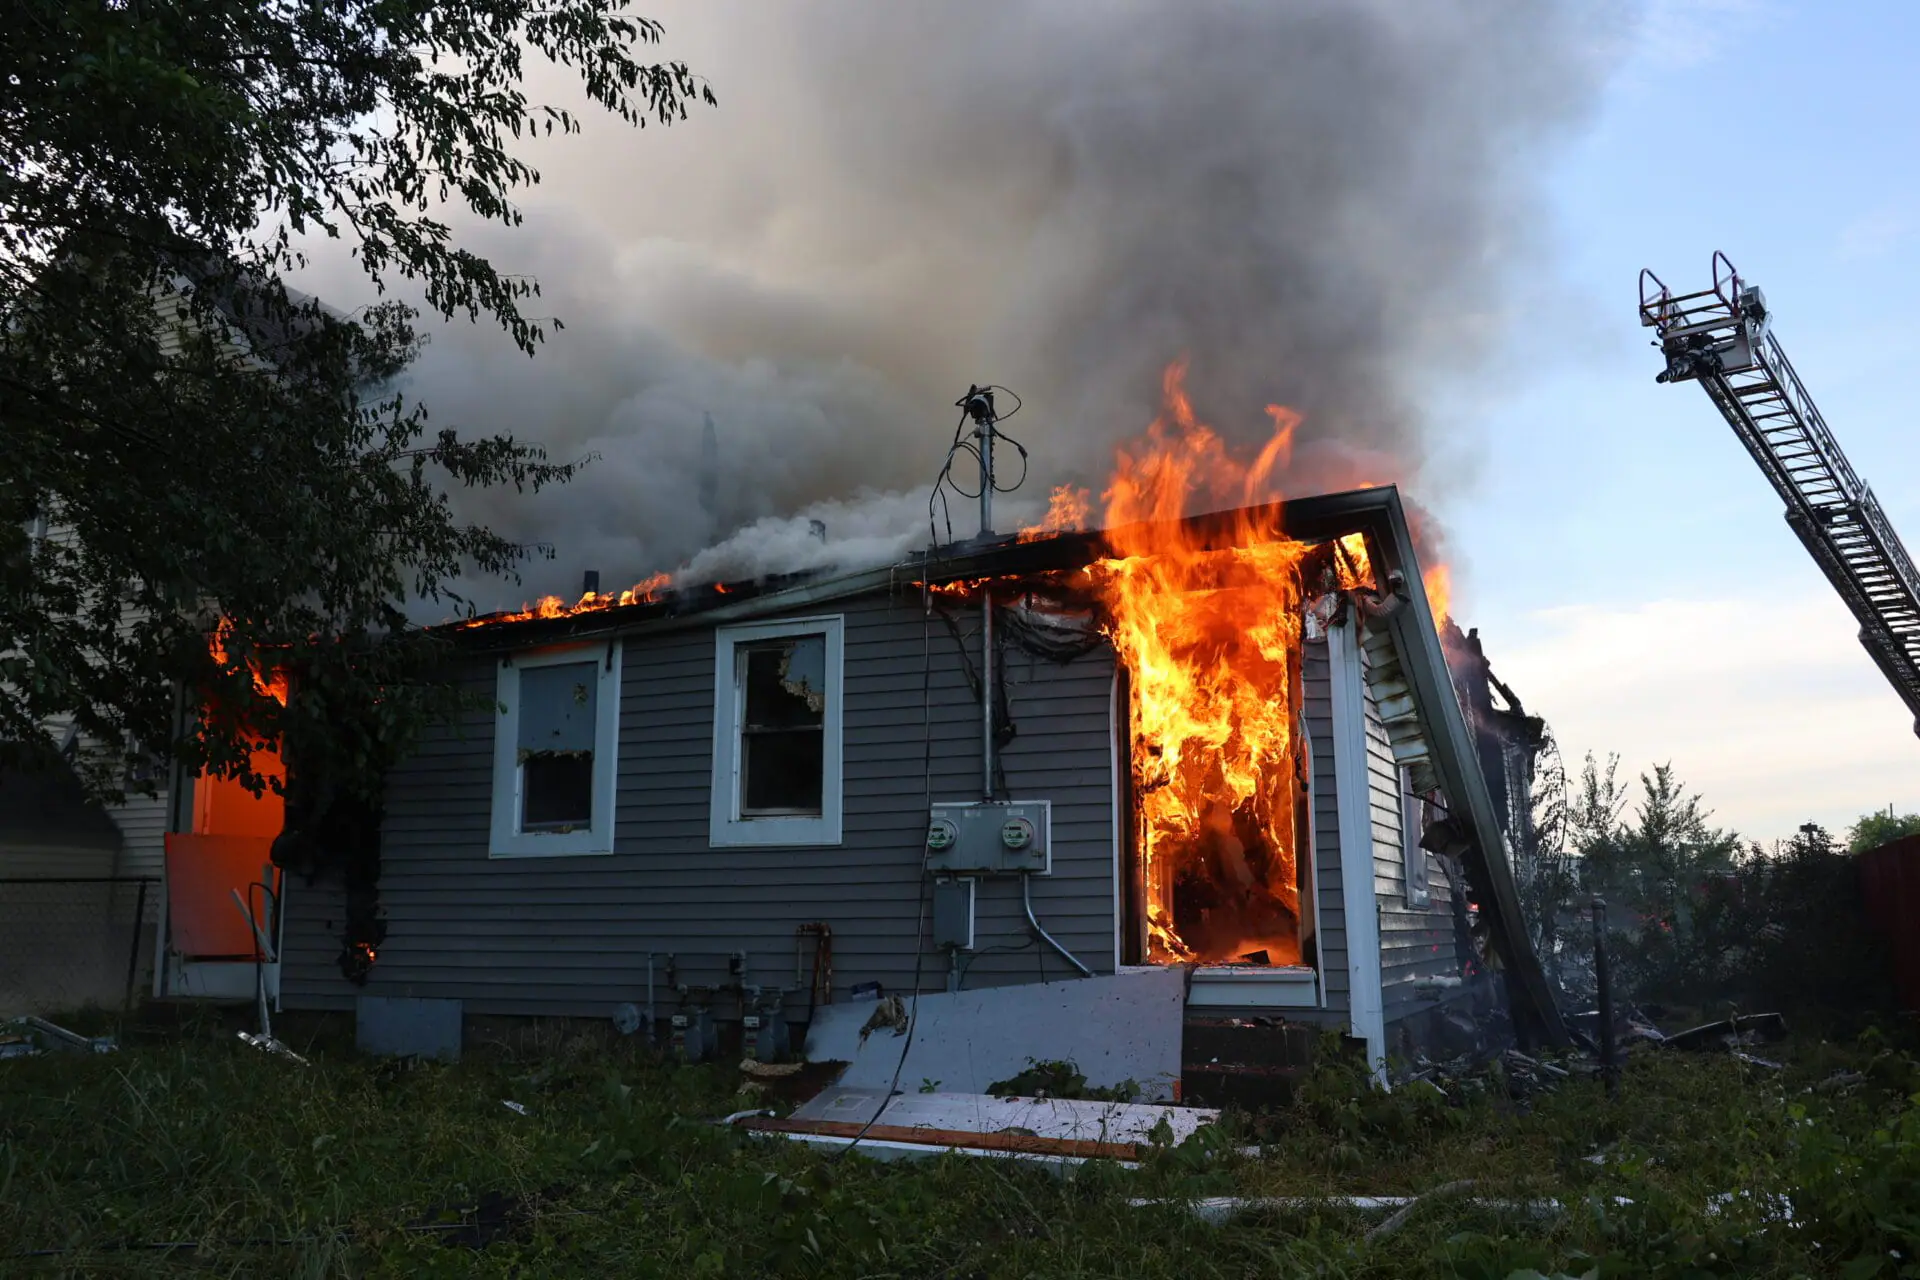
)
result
[(1320, 202)]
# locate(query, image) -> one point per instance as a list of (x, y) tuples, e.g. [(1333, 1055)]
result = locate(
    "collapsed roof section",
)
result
[(1410, 675)]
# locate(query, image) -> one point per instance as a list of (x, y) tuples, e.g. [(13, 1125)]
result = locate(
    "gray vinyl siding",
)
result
[(143, 825), (142, 819), (1317, 690), (37, 861), (571, 936), (1416, 943)]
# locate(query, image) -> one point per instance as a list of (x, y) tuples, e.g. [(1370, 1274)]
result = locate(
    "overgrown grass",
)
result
[(358, 1168)]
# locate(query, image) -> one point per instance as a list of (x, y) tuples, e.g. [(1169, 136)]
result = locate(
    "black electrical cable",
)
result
[(1018, 404), (940, 485), (997, 486), (966, 965)]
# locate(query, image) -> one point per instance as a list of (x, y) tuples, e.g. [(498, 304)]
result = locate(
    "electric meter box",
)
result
[(991, 837)]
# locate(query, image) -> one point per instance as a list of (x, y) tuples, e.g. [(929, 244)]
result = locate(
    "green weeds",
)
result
[(247, 1164)]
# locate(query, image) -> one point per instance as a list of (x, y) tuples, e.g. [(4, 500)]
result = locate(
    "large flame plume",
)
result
[(1210, 641)]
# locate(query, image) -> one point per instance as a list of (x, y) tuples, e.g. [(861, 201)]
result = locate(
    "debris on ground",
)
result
[(518, 1108), (1399, 1219), (268, 1044), (1060, 1080), (925, 1124), (1113, 1028), (758, 1070), (29, 1036), (1731, 1033), (1216, 1210), (1752, 1061), (1840, 1082), (488, 1218), (728, 1121), (888, 1013)]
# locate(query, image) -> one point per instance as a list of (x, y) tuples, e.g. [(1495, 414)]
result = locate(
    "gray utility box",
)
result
[(991, 837), (953, 914)]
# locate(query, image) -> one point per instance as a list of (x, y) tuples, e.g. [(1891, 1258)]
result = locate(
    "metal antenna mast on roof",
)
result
[(978, 404)]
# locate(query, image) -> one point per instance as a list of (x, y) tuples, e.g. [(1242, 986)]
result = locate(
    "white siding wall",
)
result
[(1415, 942)]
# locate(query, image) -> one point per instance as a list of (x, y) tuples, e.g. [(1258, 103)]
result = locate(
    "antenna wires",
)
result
[(978, 407)]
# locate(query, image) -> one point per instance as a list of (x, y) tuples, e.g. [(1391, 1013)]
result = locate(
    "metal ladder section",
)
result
[(1720, 337)]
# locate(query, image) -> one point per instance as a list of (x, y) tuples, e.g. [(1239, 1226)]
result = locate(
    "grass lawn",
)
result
[(196, 1153)]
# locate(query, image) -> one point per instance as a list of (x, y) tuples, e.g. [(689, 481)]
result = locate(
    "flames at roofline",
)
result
[(1070, 512), (645, 591)]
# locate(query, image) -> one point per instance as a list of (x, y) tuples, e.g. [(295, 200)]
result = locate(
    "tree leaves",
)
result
[(199, 442)]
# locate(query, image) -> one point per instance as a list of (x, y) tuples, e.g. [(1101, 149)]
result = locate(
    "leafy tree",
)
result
[(1651, 869), (1876, 829), (1651, 862), (1546, 872), (214, 445), (1595, 808)]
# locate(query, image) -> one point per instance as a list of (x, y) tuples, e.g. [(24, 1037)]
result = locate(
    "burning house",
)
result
[(1226, 742)]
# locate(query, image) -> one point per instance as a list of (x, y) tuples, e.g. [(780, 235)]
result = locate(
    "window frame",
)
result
[(506, 839), (1413, 814), (727, 827)]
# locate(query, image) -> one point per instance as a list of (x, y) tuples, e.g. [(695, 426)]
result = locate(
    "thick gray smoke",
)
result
[(1320, 202)]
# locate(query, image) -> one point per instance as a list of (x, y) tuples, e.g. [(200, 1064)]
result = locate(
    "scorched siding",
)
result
[(1416, 943), (570, 936)]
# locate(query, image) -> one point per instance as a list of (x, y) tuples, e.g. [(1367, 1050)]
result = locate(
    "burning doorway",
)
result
[(1216, 757), (222, 892), (1206, 616)]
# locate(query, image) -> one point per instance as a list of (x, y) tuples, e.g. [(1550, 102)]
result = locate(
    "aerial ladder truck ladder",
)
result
[(1721, 338)]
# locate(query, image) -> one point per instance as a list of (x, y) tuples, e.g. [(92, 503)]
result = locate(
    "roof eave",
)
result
[(1456, 760)]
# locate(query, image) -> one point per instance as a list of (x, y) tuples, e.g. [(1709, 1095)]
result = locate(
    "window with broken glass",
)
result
[(558, 719), (782, 690), (1413, 825)]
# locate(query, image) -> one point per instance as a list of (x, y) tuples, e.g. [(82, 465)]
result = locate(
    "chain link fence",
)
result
[(68, 943)]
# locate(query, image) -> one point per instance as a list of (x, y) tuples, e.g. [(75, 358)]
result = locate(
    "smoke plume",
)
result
[(1320, 203)]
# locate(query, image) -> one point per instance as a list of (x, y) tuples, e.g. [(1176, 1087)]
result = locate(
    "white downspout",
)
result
[(1355, 800)]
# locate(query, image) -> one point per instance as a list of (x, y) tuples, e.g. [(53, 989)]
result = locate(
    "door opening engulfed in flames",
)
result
[(1216, 826), (1206, 616)]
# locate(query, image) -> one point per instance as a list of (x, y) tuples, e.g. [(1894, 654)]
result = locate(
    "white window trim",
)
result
[(507, 840), (726, 828), (1412, 810)]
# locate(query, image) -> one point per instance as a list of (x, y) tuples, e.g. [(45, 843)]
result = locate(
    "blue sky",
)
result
[(1626, 562)]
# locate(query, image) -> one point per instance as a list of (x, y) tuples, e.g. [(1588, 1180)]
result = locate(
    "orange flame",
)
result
[(1210, 640), (643, 592), (1438, 580), (959, 588), (1354, 563), (1066, 512), (268, 684)]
